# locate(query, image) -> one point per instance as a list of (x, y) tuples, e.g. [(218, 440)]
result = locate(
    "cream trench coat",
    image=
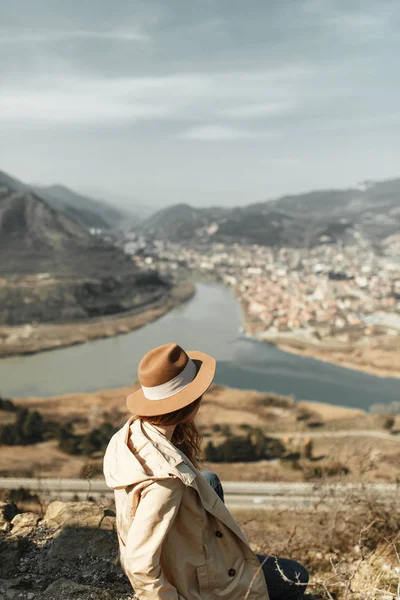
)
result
[(177, 539)]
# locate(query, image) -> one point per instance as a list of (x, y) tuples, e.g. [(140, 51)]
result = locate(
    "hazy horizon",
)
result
[(215, 103)]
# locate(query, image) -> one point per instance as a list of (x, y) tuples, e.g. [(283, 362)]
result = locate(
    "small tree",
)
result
[(259, 443), (308, 450), (7, 435), (389, 422), (226, 430), (32, 428), (211, 453)]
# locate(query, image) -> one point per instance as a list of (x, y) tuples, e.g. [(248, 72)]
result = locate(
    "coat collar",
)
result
[(168, 458)]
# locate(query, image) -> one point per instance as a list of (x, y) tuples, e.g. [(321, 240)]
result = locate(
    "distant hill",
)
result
[(303, 220), (36, 238), (52, 269), (83, 210), (178, 222)]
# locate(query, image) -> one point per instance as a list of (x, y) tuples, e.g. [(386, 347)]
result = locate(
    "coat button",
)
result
[(218, 534), (232, 572)]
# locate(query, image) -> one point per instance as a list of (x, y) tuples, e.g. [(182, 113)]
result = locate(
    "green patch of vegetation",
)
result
[(22, 495), (7, 405), (388, 424), (87, 444), (252, 447), (216, 428), (31, 428)]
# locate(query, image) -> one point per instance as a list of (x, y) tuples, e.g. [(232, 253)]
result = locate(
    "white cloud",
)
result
[(217, 133), (356, 25), (217, 100), (196, 96), (257, 111), (74, 107), (38, 37)]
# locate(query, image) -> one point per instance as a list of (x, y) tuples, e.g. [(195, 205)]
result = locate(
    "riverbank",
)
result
[(29, 339), (376, 356), (210, 321)]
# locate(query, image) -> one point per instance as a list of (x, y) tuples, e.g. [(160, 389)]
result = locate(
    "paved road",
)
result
[(270, 495)]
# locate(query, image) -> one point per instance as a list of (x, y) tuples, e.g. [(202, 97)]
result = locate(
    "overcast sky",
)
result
[(205, 102)]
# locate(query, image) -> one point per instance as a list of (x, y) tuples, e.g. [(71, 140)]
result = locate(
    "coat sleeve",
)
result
[(155, 514)]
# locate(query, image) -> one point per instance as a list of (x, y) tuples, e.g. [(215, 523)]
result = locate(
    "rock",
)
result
[(71, 554), (24, 524), (69, 590), (11, 588), (77, 514), (8, 510)]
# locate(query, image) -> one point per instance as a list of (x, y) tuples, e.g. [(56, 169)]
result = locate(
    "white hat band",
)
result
[(170, 388)]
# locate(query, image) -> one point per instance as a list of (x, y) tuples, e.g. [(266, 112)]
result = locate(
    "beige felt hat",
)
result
[(170, 379)]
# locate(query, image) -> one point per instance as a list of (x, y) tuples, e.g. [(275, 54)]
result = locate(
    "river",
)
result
[(209, 322)]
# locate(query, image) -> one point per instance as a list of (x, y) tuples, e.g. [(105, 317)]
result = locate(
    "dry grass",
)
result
[(378, 356), (351, 553), (221, 406), (351, 550)]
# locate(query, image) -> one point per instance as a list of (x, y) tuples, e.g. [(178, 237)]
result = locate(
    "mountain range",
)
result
[(52, 269), (370, 212), (83, 210)]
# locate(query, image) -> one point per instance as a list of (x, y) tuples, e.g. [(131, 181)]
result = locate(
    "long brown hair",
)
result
[(186, 436)]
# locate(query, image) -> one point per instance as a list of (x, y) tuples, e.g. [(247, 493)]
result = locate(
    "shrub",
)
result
[(90, 470), (331, 469), (276, 401), (226, 430), (273, 448), (28, 428), (8, 435), (211, 453), (233, 449), (32, 427), (7, 405), (68, 442), (388, 424), (237, 449), (308, 450), (245, 448), (93, 441), (304, 415), (315, 423), (70, 445), (22, 495)]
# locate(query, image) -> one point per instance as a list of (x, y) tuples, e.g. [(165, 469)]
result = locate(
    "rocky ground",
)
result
[(70, 553)]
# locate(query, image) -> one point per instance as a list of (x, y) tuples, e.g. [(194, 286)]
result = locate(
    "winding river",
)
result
[(209, 322)]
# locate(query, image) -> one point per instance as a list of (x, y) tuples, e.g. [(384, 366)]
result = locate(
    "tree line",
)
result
[(255, 445), (30, 427)]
